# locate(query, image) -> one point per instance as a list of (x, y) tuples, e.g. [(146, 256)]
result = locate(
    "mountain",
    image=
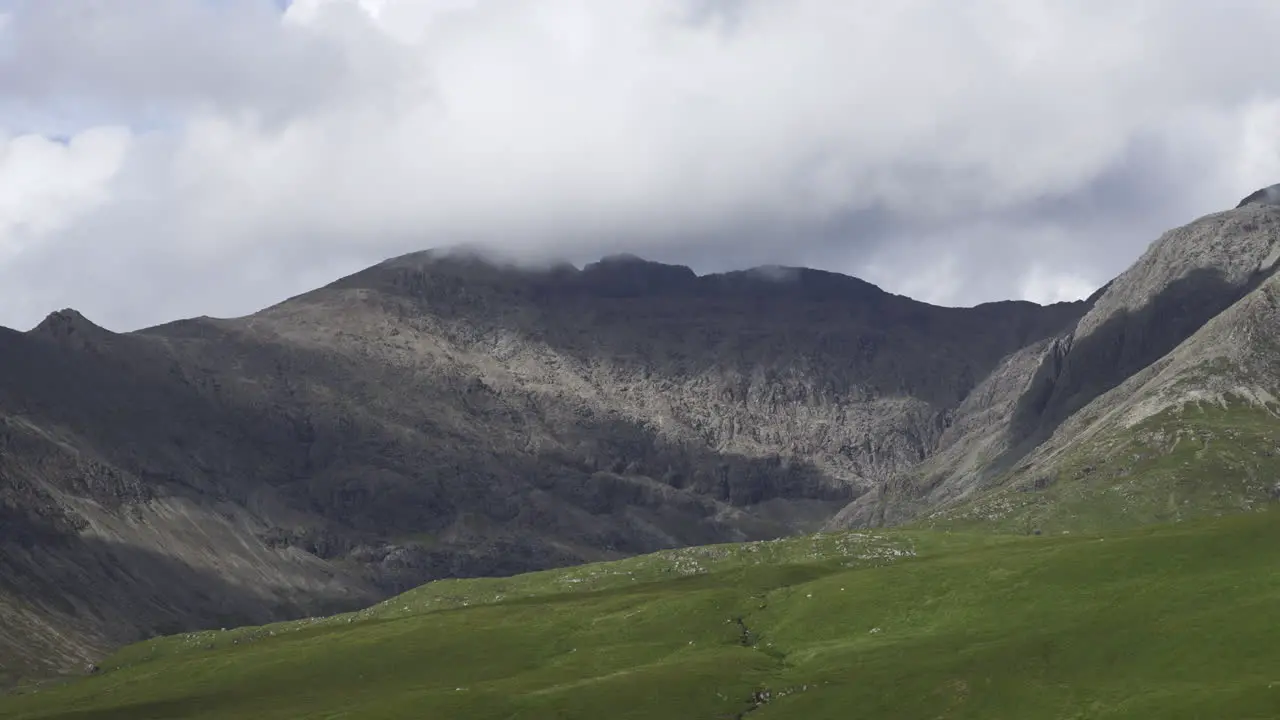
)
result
[(446, 415), (1158, 405)]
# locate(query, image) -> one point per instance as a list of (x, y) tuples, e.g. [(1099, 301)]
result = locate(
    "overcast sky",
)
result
[(169, 158)]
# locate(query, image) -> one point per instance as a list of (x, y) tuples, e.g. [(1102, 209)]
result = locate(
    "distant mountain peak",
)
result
[(628, 274), (1269, 195), (68, 323), (623, 258), (633, 260)]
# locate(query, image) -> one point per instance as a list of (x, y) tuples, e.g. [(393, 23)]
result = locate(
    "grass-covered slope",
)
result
[(1165, 622), (1211, 457)]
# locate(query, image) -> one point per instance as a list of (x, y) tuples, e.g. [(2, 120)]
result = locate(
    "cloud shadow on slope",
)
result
[(100, 594)]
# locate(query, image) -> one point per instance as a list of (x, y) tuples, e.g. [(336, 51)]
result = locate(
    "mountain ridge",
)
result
[(444, 415), (1139, 348)]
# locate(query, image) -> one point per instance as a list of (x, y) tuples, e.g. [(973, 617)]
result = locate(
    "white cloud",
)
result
[(1044, 285), (46, 185), (936, 280), (970, 136), (1257, 159)]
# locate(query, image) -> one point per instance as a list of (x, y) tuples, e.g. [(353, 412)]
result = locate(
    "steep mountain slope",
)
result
[(440, 415), (1159, 405), (114, 522)]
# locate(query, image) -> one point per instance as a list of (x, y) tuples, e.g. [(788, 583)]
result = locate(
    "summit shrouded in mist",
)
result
[(1269, 195)]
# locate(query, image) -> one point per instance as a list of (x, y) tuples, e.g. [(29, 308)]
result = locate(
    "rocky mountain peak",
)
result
[(69, 325), (1269, 195), (629, 274)]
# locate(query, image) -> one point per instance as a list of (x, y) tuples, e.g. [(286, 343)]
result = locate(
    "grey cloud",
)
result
[(146, 61), (962, 152), (725, 14)]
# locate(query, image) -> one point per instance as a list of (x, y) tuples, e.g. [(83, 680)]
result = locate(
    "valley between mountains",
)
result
[(443, 415)]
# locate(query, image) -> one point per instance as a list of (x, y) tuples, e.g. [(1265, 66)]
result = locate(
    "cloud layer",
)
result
[(159, 160)]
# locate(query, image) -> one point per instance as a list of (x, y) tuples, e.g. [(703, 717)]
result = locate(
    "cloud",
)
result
[(1045, 285), (45, 184), (958, 152)]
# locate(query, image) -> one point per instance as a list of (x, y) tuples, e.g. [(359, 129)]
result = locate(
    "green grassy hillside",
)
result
[(1165, 622), (1202, 458)]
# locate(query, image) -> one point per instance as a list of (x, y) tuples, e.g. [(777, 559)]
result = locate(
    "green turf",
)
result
[(1171, 622), (1199, 459)]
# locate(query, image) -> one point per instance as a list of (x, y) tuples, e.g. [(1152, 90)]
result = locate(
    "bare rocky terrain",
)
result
[(443, 415)]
